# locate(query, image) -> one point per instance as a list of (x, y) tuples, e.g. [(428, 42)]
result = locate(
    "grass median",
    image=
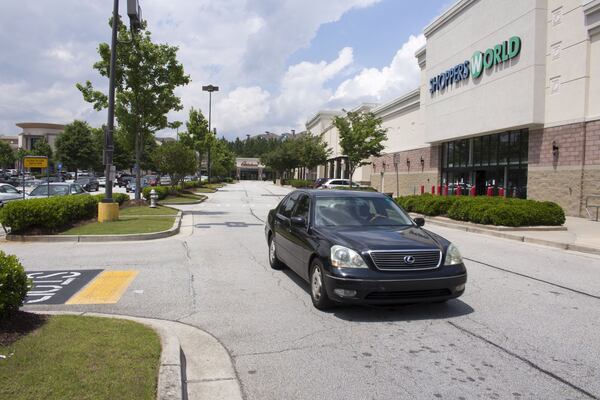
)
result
[(73, 357), (132, 220)]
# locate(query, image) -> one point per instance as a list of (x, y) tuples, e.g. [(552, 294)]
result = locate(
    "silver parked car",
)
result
[(56, 189), (9, 193)]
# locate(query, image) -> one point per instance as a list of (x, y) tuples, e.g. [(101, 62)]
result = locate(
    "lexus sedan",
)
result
[(361, 247)]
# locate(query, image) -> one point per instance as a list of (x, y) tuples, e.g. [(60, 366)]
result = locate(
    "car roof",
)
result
[(339, 193)]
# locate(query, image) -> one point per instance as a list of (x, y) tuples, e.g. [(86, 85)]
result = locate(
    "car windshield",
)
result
[(55, 190), (359, 211)]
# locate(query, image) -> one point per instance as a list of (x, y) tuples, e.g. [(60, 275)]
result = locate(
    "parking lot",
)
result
[(523, 329)]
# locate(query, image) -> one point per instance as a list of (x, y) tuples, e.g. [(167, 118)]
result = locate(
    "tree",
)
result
[(313, 151), (76, 147), (146, 77), (284, 158), (7, 155), (196, 136), (42, 148), (223, 159), (175, 159), (361, 137)]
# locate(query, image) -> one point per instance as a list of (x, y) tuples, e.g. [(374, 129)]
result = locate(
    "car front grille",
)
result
[(400, 260), (408, 295)]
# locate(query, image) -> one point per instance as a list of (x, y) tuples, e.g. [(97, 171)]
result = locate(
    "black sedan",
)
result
[(361, 247)]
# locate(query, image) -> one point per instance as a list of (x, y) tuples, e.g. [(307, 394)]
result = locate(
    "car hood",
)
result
[(382, 238)]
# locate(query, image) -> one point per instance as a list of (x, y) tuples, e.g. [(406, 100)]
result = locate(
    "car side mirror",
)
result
[(419, 221), (299, 222)]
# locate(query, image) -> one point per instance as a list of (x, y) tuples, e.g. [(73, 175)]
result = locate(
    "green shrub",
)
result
[(299, 183), (117, 197), (161, 191), (14, 284), (486, 210), (49, 214)]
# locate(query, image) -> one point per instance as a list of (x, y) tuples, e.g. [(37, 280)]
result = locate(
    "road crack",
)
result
[(525, 360)]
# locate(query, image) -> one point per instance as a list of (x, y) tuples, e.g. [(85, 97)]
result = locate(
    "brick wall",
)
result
[(565, 179), (409, 177)]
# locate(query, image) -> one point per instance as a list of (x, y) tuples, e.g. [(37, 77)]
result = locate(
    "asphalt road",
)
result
[(526, 328)]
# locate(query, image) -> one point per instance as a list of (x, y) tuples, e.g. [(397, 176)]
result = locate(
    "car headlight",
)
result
[(343, 257), (453, 256)]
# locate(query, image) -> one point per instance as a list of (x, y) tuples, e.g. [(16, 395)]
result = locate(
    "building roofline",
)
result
[(404, 102), (319, 114), (447, 16), (42, 125)]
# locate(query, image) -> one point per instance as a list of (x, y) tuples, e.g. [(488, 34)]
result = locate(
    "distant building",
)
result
[(251, 169), (36, 131)]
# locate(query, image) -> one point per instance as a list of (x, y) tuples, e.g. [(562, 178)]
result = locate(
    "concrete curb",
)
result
[(100, 238), (185, 204), (193, 364), (515, 236)]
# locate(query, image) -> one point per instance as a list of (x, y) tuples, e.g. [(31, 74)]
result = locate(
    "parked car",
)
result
[(319, 182), (30, 184), (165, 180), (131, 185), (123, 179), (361, 247), (153, 180), (56, 189), (9, 193), (52, 179), (336, 183), (89, 183), (102, 181)]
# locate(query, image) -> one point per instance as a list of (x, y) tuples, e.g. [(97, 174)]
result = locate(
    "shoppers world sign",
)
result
[(479, 62)]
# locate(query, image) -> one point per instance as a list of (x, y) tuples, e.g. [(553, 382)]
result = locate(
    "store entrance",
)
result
[(480, 182)]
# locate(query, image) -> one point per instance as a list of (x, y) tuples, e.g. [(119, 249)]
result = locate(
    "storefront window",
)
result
[(497, 161)]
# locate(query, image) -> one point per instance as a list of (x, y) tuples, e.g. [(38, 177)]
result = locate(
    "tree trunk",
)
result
[(138, 157), (351, 173)]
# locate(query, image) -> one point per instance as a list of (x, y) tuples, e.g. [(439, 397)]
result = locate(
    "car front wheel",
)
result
[(318, 292), (273, 260)]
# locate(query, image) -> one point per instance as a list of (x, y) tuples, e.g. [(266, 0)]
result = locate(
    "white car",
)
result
[(9, 193), (337, 183), (165, 180)]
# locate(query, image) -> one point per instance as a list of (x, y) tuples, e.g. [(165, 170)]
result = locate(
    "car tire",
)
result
[(273, 260), (318, 291)]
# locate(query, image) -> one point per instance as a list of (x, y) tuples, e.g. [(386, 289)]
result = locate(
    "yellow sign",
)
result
[(36, 162)]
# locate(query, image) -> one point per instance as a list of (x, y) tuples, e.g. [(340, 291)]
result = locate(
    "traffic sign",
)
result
[(35, 162)]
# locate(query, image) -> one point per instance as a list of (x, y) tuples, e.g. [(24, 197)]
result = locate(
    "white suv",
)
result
[(337, 183)]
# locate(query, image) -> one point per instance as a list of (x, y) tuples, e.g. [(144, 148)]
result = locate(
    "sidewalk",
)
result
[(581, 235)]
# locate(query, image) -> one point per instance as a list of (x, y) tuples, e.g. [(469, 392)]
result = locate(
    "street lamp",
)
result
[(106, 209), (210, 89)]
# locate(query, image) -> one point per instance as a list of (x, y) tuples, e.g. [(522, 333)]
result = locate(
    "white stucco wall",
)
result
[(594, 89), (506, 95)]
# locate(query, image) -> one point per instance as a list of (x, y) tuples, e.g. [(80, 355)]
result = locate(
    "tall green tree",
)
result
[(313, 150), (146, 77), (175, 159), (7, 155), (284, 158), (196, 136), (42, 148), (361, 137), (222, 158), (76, 147)]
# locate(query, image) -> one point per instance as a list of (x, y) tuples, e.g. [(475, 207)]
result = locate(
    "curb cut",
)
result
[(517, 237), (183, 204), (100, 238)]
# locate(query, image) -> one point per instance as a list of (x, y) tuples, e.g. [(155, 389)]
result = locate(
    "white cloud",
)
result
[(373, 84), (303, 88), (243, 107)]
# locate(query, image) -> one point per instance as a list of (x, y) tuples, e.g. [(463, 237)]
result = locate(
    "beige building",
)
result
[(35, 131), (509, 99)]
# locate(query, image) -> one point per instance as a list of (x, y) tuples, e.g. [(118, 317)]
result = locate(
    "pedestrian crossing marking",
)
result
[(107, 288)]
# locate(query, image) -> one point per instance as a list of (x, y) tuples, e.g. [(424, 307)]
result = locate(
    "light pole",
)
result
[(106, 209), (210, 89)]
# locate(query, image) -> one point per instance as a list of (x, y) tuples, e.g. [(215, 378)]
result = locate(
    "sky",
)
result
[(277, 62)]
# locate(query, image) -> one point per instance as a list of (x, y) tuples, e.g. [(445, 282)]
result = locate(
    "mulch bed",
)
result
[(19, 324)]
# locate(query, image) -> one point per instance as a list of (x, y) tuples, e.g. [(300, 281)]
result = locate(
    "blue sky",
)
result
[(277, 61)]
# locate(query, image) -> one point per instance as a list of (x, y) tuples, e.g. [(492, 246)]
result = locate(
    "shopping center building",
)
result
[(509, 98)]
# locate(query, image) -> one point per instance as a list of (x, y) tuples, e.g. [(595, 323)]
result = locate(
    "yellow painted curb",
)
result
[(107, 288)]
